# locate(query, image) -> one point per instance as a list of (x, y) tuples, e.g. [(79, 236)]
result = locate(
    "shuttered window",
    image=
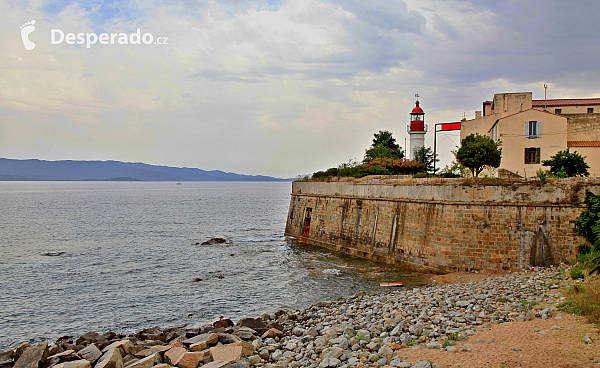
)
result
[(532, 155), (533, 129)]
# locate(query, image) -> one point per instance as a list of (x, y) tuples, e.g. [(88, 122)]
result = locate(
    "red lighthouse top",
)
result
[(417, 119), (417, 109)]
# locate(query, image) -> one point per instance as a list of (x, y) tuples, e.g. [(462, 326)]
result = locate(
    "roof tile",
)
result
[(566, 102), (583, 143)]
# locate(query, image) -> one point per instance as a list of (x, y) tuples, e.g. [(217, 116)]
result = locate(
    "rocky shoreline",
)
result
[(365, 330)]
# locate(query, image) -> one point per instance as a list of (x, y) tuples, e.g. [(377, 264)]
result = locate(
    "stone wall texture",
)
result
[(443, 227)]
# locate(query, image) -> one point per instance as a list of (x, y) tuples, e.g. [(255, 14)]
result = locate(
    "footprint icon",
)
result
[(26, 30)]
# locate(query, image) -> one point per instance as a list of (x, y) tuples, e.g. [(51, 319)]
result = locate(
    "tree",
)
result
[(378, 151), (384, 145), (567, 164), (478, 152), (425, 156)]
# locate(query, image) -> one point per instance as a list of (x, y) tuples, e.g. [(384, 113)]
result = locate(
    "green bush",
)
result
[(421, 174), (588, 223), (567, 164), (584, 249), (478, 152), (398, 167), (577, 273)]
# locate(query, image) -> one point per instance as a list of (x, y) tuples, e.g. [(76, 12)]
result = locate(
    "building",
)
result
[(534, 130), (417, 129)]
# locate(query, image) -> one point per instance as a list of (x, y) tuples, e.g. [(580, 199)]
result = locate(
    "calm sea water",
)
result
[(119, 256)]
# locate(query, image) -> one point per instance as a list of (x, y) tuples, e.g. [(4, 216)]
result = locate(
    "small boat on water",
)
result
[(391, 284)]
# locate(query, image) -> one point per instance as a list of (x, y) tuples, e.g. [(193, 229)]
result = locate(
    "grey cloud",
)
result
[(222, 77)]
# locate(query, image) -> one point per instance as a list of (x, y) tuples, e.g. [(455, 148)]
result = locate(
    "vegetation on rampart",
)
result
[(566, 164), (584, 298), (384, 157), (478, 152)]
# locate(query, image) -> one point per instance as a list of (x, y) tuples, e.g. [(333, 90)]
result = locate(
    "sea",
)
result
[(124, 256)]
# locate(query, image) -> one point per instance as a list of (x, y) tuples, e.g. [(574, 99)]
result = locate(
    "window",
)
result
[(558, 111), (590, 110), (533, 129), (532, 155)]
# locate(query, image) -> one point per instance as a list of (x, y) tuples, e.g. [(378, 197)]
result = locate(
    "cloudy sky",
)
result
[(274, 87)]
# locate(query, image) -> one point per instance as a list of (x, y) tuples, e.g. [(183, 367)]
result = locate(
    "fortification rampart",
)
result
[(442, 226)]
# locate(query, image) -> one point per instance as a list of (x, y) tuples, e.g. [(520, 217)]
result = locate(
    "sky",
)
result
[(274, 87)]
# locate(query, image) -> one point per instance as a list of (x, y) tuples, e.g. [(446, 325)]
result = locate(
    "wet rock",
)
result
[(214, 241), (33, 357), (92, 337), (257, 324), (223, 323), (54, 254)]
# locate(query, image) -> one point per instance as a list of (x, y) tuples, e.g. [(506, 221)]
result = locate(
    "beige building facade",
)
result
[(531, 131)]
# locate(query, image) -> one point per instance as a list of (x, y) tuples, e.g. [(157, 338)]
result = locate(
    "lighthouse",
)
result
[(416, 129)]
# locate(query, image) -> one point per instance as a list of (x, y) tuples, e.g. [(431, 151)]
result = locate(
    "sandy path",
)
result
[(555, 342)]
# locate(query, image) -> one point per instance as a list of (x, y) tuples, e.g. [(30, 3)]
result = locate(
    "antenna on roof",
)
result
[(545, 102)]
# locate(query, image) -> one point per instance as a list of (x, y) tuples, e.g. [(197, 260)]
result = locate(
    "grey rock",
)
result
[(433, 345), (91, 353), (395, 362), (422, 364)]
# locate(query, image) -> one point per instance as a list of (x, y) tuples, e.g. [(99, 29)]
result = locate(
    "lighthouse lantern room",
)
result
[(417, 129)]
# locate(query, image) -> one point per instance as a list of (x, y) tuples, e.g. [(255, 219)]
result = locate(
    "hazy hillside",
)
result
[(112, 170)]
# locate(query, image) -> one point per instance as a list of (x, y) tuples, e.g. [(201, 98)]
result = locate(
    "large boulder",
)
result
[(229, 353), (90, 353), (33, 357), (201, 342), (110, 359), (193, 359), (223, 323), (81, 363), (92, 337), (256, 324), (147, 362), (124, 346), (173, 355)]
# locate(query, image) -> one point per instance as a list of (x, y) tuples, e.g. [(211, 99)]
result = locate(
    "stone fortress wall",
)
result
[(440, 225)]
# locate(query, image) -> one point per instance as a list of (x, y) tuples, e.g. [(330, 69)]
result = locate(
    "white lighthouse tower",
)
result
[(416, 129)]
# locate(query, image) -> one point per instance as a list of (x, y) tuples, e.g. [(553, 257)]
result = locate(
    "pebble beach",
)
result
[(381, 329)]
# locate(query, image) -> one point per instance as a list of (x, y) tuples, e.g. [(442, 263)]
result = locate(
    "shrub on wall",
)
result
[(398, 167), (566, 164)]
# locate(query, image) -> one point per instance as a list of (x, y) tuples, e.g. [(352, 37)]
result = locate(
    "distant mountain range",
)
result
[(39, 170)]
